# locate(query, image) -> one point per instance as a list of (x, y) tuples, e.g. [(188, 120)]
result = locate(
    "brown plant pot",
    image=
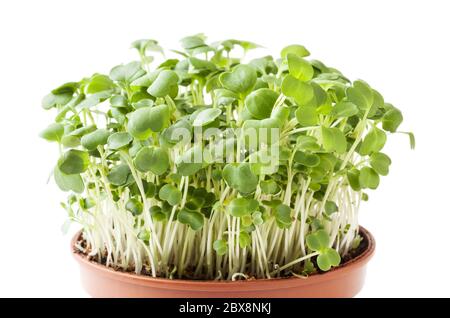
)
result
[(343, 281)]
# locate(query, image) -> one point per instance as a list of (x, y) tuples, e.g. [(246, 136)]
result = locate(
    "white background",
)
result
[(400, 47)]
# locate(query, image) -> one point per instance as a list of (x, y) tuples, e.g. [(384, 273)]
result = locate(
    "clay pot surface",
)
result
[(343, 281)]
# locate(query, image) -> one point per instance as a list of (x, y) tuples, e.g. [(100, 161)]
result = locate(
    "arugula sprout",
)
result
[(144, 157)]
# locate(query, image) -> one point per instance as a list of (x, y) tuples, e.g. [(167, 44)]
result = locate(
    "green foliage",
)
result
[(139, 168), (319, 241)]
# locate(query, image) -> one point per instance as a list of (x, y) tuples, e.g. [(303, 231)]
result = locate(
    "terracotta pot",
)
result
[(343, 281)]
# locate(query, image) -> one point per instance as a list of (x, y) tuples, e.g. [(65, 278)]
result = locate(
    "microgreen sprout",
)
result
[(151, 196)]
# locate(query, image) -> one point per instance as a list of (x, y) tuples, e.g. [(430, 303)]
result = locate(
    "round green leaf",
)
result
[(240, 207), (74, 162), (333, 139), (206, 117), (245, 239), (119, 140), (318, 240), (240, 79), (307, 116), (353, 179), (392, 119), (308, 143), (328, 258), (344, 109), (240, 177), (166, 84), (99, 83), (120, 175), (192, 218), (380, 162), (331, 207), (127, 73), (299, 67), (269, 187), (220, 246), (134, 206), (53, 132), (68, 182), (373, 142), (94, 139), (301, 92), (368, 178), (360, 94), (190, 161), (143, 121), (152, 159), (283, 216), (171, 194), (296, 49), (260, 102), (306, 159)]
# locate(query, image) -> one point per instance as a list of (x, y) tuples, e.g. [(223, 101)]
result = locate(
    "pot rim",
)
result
[(254, 284)]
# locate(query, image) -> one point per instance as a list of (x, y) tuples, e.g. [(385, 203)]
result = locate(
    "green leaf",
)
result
[(127, 73), (260, 103), (118, 101), (51, 100), (269, 187), (240, 207), (191, 161), (68, 182), (166, 84), (245, 239), (257, 218), (301, 92), (296, 49), (206, 117), (74, 162), (392, 119), (360, 94), (152, 159), (344, 109), (373, 142), (192, 218), (220, 246), (120, 175), (328, 257), (119, 140), (192, 42), (53, 132), (94, 139), (368, 178), (181, 131), (240, 177), (318, 240), (307, 116), (99, 83), (134, 206), (334, 139), (353, 179), (66, 88), (380, 162), (299, 67), (283, 216), (240, 79), (306, 159), (330, 207), (143, 121), (171, 194), (307, 143)]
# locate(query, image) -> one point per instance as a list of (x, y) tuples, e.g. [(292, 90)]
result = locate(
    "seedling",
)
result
[(151, 195)]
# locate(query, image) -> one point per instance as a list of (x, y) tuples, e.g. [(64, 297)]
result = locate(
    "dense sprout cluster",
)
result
[(145, 204)]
